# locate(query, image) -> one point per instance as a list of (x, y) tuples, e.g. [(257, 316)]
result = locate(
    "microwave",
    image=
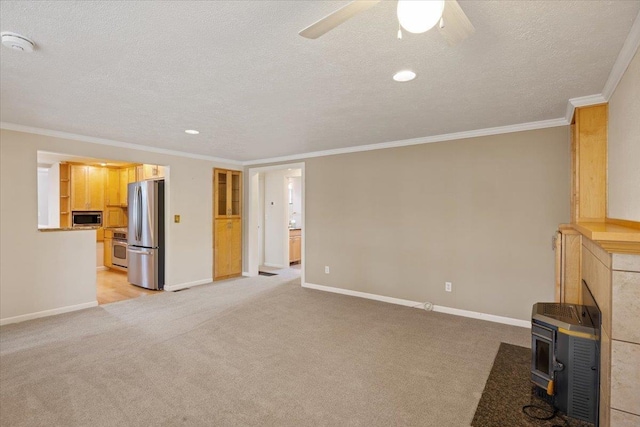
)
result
[(86, 218)]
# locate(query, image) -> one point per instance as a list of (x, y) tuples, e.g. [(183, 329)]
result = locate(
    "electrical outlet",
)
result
[(447, 286), (326, 269)]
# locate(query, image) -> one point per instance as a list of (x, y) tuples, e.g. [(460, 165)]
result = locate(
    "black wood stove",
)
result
[(565, 362)]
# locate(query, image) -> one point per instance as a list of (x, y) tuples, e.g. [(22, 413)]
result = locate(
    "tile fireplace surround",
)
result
[(616, 288)]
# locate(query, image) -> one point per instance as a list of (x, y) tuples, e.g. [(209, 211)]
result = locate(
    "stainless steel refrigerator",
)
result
[(146, 234)]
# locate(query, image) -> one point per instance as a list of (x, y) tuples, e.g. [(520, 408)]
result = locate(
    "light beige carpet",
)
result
[(258, 352)]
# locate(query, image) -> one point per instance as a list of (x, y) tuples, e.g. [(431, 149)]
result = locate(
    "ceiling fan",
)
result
[(413, 15)]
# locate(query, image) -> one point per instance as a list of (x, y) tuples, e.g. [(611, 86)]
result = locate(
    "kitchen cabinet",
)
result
[(87, 188), (113, 217), (108, 240), (295, 246), (227, 188), (127, 175), (227, 219), (145, 172), (65, 195), (227, 251), (112, 187)]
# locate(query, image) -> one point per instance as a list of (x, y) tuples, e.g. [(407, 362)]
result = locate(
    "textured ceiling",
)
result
[(143, 72)]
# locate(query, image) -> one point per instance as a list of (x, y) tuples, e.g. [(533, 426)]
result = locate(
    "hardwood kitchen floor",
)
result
[(113, 286)]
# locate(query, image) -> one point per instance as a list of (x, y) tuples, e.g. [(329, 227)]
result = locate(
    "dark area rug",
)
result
[(265, 273), (509, 388)]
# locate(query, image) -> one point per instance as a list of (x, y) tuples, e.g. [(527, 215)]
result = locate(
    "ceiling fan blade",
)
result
[(457, 26), (336, 18)]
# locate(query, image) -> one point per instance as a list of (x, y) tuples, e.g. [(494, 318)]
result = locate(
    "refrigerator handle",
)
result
[(135, 213), (138, 213), (140, 252)]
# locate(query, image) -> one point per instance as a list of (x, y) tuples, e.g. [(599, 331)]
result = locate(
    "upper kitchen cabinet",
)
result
[(87, 188), (145, 172), (113, 187), (127, 175), (227, 187)]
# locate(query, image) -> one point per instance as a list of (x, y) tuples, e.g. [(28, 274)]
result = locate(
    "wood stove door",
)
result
[(542, 351)]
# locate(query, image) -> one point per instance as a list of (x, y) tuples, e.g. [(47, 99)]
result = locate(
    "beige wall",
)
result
[(477, 212), (624, 146), (42, 271)]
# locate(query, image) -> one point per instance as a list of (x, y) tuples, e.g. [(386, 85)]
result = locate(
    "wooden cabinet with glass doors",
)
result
[(227, 223)]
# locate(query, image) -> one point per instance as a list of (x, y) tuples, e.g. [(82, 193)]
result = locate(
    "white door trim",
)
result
[(254, 216)]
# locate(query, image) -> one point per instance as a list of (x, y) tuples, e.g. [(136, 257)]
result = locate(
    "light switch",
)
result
[(176, 218)]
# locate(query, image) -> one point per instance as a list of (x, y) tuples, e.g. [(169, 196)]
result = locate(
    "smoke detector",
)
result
[(17, 42)]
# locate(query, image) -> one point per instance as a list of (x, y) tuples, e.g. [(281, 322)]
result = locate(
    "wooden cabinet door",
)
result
[(87, 188), (132, 174), (220, 193), (107, 252), (227, 252), (235, 192), (221, 266), (234, 228), (589, 164), (96, 188), (78, 177), (79, 198), (149, 172), (113, 187), (291, 250), (227, 193), (124, 181), (297, 249), (113, 217)]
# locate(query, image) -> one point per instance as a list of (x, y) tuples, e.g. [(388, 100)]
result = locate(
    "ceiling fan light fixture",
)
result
[(419, 16), (404, 76)]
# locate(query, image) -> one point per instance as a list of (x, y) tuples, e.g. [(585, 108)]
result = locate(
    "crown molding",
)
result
[(416, 141), (628, 51), (112, 143), (582, 101)]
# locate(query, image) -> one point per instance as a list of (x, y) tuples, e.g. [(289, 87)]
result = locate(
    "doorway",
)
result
[(276, 229), (75, 189)]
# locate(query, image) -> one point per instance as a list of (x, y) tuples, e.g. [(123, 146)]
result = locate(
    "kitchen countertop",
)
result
[(68, 228)]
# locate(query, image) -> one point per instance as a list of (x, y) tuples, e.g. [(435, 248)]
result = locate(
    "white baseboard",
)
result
[(417, 304), (483, 316), (46, 313), (173, 288), (375, 297), (266, 264), (246, 274)]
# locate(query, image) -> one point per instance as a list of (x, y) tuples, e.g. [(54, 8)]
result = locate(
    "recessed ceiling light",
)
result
[(404, 76), (191, 132)]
